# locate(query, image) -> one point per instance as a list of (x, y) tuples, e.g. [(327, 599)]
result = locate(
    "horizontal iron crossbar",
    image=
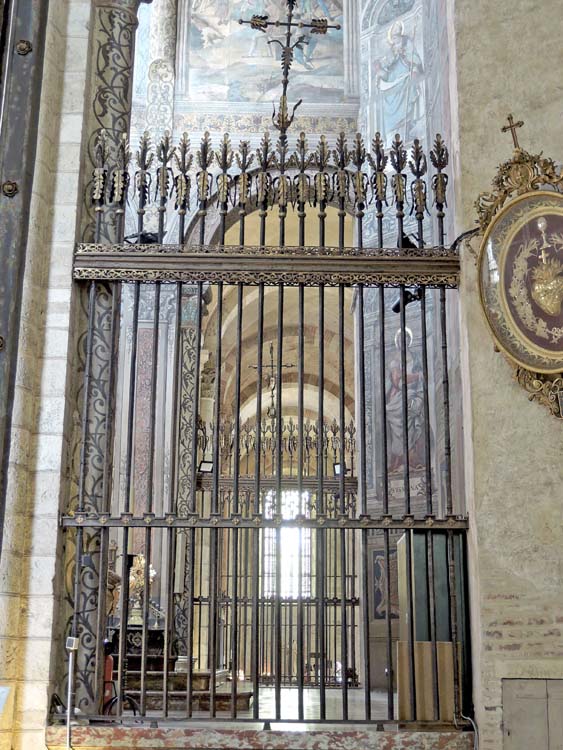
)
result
[(252, 265), (248, 484), (171, 520)]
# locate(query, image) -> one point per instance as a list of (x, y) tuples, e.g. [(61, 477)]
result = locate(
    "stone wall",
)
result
[(39, 446), (508, 56)]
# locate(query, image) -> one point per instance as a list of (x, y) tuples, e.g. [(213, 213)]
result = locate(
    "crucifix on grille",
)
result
[(272, 379), (282, 119)]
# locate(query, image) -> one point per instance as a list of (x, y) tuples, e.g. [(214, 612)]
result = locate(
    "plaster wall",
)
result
[(508, 60), (39, 444)]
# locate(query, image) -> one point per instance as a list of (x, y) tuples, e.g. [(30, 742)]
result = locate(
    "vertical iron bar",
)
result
[(279, 501), (429, 503), (410, 615), (257, 642), (150, 482), (364, 502), (236, 507), (145, 616), (213, 547), (449, 499), (389, 631), (430, 583), (446, 397), (427, 446), (127, 504), (191, 533), (405, 403), (321, 661), (342, 503), (385, 488), (407, 491), (452, 590), (302, 510)]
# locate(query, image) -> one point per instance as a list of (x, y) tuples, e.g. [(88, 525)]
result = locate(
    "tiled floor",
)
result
[(311, 704)]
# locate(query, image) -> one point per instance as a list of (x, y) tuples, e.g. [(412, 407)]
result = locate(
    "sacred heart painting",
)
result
[(521, 280)]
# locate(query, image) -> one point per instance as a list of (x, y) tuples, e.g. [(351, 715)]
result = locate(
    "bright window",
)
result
[(294, 549)]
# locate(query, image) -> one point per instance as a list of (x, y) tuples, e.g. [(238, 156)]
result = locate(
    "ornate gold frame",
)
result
[(517, 179)]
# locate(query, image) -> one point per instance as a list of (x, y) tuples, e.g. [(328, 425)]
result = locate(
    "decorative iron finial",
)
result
[(164, 174), (205, 158), (182, 181), (120, 175), (513, 127), (302, 159), (378, 163), (418, 166), (100, 173), (282, 119), (359, 178), (244, 161), (341, 178)]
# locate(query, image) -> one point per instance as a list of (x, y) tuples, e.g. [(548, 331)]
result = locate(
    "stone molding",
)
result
[(104, 738)]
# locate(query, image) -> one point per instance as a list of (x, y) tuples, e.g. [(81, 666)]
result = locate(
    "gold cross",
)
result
[(283, 119), (512, 127)]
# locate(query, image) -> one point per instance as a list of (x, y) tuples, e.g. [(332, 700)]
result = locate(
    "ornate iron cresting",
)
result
[(226, 184)]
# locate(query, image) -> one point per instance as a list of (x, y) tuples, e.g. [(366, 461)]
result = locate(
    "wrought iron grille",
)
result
[(266, 522)]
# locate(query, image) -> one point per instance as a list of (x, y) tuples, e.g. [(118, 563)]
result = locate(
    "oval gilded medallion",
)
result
[(521, 280)]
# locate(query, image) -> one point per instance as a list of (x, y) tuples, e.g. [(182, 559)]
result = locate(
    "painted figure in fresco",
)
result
[(305, 11), (415, 399), (399, 76), (218, 8), (315, 7)]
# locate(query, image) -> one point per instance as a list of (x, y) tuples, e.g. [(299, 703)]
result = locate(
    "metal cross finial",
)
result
[(272, 380), (512, 127), (282, 119)]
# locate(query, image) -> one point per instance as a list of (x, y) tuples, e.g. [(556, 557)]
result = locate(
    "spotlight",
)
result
[(337, 468), (205, 467), (408, 242), (411, 295)]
